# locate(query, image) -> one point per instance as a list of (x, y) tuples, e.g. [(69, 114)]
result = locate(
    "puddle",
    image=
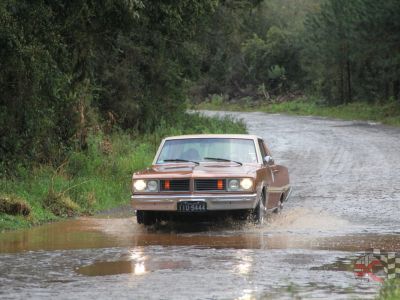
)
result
[(90, 233), (106, 268)]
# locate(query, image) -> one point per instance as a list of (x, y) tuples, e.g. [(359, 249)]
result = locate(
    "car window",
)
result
[(197, 149), (262, 148)]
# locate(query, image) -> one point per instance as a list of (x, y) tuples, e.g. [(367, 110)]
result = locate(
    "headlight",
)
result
[(139, 185), (246, 183), (152, 186), (233, 185), (237, 184)]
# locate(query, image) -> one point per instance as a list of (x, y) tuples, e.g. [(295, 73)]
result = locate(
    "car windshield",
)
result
[(208, 149)]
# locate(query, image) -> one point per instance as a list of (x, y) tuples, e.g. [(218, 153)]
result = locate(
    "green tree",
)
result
[(329, 51), (351, 50), (65, 65)]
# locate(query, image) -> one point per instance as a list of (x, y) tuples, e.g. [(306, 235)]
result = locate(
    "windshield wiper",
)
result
[(223, 159), (181, 160)]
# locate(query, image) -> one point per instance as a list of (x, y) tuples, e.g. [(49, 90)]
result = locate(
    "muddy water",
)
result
[(345, 201)]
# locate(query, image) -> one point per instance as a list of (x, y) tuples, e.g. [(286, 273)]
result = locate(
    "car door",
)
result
[(266, 174), (279, 174)]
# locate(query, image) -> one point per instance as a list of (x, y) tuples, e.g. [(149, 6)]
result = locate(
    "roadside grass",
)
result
[(387, 113), (96, 179)]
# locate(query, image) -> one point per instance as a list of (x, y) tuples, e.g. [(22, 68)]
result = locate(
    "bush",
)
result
[(13, 205), (60, 204)]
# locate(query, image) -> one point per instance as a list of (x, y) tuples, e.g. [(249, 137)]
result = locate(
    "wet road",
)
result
[(345, 200)]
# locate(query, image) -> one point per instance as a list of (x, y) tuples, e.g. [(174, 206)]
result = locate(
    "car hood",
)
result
[(206, 170)]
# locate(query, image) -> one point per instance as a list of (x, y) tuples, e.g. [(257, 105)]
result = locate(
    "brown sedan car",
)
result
[(205, 175)]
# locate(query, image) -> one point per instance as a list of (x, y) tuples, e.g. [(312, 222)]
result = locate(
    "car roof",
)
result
[(214, 136)]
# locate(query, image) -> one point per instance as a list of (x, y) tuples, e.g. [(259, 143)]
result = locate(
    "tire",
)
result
[(259, 212), (146, 218)]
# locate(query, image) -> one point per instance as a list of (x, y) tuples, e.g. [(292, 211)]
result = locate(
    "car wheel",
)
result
[(260, 211), (145, 217)]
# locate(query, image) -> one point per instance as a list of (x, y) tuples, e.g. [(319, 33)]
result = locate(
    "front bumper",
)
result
[(214, 202)]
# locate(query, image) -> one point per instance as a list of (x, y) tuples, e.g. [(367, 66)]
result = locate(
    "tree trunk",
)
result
[(341, 87), (349, 93), (396, 90)]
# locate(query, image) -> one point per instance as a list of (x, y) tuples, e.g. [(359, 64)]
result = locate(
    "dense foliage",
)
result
[(67, 67), (70, 68), (352, 48), (342, 51)]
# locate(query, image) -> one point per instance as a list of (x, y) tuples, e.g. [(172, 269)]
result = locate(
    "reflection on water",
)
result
[(138, 258), (140, 268), (107, 268), (137, 255), (247, 295), (104, 268), (139, 264), (245, 262)]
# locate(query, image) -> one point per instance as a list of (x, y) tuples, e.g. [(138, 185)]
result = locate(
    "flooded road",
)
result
[(345, 201)]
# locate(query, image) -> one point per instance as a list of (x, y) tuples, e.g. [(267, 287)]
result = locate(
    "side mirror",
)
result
[(269, 160)]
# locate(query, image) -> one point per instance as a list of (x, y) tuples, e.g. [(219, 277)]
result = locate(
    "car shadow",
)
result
[(187, 226)]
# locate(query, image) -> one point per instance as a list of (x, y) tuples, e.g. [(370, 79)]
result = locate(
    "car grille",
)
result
[(209, 184), (176, 185)]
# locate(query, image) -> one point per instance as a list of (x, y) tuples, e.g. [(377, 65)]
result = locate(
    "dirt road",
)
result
[(346, 200)]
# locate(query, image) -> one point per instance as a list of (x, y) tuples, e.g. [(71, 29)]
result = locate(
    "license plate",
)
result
[(192, 206)]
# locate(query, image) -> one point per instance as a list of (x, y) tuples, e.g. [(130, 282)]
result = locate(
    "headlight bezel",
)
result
[(143, 186), (244, 184)]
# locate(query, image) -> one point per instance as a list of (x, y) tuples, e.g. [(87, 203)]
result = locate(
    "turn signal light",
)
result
[(167, 185), (220, 184)]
